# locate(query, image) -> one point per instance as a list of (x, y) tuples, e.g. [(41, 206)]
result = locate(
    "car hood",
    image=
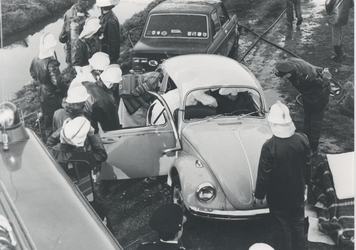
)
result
[(166, 47), (232, 150)]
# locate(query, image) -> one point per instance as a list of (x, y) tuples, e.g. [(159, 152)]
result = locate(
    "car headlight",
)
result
[(153, 63), (205, 192)]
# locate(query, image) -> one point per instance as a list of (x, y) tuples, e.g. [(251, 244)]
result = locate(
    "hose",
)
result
[(260, 37)]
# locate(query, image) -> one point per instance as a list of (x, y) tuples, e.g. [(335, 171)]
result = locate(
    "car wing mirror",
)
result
[(134, 35), (80, 166)]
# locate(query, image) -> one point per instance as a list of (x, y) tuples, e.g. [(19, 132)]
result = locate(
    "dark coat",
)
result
[(101, 107), (315, 92), (51, 90), (62, 152), (65, 35), (283, 171), (110, 28), (83, 49), (68, 111)]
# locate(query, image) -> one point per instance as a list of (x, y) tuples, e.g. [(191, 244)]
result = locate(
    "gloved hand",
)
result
[(149, 84)]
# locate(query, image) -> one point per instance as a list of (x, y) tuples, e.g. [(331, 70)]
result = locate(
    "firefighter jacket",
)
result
[(110, 28), (283, 171), (101, 107), (83, 49)]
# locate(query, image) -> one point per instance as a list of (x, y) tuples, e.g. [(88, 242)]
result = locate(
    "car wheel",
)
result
[(177, 197), (176, 192)]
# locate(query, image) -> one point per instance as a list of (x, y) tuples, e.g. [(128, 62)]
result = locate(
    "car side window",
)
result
[(215, 22)]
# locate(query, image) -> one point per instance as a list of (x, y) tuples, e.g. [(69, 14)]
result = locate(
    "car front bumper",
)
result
[(229, 215)]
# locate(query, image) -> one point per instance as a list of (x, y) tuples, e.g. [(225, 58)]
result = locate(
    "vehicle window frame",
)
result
[(255, 95), (221, 8), (215, 21)]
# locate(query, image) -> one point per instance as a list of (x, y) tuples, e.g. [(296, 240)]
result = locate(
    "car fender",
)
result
[(191, 176)]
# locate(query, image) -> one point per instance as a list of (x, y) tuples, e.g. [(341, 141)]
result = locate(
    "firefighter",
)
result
[(315, 91), (45, 71)]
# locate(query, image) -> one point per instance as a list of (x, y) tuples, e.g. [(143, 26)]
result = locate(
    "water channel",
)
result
[(18, 50)]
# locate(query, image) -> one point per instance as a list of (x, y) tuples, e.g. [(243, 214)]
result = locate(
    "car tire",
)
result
[(177, 197)]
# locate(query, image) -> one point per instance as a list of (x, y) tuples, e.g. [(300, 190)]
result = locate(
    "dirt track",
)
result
[(133, 201)]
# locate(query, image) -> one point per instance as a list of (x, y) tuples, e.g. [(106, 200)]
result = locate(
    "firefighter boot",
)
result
[(339, 54)]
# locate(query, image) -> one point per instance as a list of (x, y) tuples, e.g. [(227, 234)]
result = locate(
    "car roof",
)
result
[(51, 208), (182, 6), (203, 70)]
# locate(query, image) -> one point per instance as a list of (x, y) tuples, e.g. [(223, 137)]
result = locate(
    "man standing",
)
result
[(87, 44), (283, 175), (297, 8), (110, 30), (338, 12), (74, 20), (44, 70), (315, 91)]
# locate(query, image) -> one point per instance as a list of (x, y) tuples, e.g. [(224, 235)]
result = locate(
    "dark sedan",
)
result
[(178, 27)]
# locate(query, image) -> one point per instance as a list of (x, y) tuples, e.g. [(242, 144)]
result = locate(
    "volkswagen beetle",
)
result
[(205, 130)]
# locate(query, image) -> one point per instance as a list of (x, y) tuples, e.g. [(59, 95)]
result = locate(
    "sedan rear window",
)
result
[(177, 26)]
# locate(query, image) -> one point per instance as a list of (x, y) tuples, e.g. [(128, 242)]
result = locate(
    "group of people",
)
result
[(74, 114), (92, 46)]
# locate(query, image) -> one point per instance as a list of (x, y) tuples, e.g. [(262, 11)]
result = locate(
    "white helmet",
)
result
[(48, 41), (279, 114), (92, 25), (105, 3), (77, 94), (74, 132), (260, 246), (99, 60), (111, 74), (280, 121)]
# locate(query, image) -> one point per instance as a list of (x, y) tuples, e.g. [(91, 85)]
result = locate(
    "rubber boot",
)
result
[(339, 54)]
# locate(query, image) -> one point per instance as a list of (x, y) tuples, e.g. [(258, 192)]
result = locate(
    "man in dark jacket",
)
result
[(283, 175), (76, 135), (87, 44), (73, 105), (167, 221), (77, 15), (110, 29), (101, 106), (315, 90), (44, 70)]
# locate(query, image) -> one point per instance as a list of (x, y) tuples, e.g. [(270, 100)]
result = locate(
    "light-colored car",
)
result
[(40, 206), (205, 130)]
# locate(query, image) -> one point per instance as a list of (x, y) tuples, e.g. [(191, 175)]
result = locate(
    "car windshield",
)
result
[(177, 26), (222, 102)]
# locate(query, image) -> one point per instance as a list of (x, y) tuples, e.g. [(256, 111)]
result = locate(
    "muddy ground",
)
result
[(132, 201)]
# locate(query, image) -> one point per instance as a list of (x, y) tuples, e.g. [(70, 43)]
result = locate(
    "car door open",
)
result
[(140, 152)]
